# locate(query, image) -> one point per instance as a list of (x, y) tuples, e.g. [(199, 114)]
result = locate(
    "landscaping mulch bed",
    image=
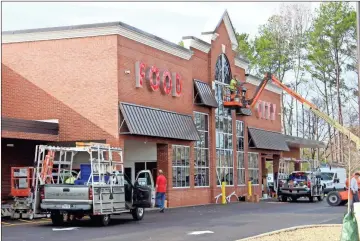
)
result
[(326, 233)]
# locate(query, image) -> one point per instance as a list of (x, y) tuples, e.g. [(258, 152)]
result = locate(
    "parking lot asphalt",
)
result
[(210, 222)]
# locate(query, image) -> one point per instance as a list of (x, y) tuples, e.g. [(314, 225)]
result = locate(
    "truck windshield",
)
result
[(327, 176)]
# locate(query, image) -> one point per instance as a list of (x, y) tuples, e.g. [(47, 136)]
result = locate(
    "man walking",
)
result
[(160, 190), (355, 188)]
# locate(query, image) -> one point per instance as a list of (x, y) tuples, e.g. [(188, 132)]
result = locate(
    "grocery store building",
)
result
[(159, 101)]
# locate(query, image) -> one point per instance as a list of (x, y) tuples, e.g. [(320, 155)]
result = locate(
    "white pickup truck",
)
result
[(68, 202), (100, 190)]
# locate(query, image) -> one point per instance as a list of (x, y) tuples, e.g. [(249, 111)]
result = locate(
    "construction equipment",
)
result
[(244, 103), (243, 106), (99, 190), (21, 186), (340, 197)]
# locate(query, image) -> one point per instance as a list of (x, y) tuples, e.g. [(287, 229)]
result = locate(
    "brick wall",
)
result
[(73, 80)]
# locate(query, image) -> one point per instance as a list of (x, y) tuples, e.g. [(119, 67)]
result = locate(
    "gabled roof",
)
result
[(212, 26)]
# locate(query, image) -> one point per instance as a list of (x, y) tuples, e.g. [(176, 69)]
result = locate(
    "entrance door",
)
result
[(139, 166), (127, 171), (152, 167)]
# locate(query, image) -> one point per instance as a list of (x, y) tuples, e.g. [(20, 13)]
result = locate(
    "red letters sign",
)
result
[(168, 83), (265, 110)]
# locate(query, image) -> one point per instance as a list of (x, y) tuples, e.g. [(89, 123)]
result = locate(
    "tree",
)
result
[(301, 19), (181, 43), (271, 51), (331, 43), (245, 48)]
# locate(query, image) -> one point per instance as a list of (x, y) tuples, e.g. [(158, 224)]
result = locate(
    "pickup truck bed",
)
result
[(66, 197)]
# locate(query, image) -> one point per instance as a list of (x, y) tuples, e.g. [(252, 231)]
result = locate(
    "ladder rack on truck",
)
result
[(54, 165), (99, 189)]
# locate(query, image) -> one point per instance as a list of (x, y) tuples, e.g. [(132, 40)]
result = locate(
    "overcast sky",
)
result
[(171, 20)]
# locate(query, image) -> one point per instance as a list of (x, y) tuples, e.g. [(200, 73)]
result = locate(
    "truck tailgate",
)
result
[(72, 193), (66, 197)]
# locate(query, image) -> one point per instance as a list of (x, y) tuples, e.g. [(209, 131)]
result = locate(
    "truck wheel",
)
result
[(138, 213), (57, 219), (284, 199), (100, 220), (311, 199), (104, 220), (333, 199)]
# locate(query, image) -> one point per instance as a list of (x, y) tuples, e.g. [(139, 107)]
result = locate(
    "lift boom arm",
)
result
[(306, 103)]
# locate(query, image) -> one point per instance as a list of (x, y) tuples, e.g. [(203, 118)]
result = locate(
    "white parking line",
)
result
[(200, 232), (64, 229)]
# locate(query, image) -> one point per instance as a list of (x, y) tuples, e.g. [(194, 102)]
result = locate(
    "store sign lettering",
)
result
[(265, 110), (168, 83)]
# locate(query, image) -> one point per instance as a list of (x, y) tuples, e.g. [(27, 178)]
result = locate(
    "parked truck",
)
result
[(99, 190), (333, 178), (300, 184)]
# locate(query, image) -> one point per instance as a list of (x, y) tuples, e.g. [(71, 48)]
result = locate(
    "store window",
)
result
[(224, 145), (254, 167), (240, 152), (181, 166), (202, 174)]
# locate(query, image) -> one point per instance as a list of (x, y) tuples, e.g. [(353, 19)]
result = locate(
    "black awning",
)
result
[(29, 126), (204, 95), (268, 140), (147, 121)]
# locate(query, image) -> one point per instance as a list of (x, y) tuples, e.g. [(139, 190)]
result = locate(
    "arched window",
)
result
[(223, 69)]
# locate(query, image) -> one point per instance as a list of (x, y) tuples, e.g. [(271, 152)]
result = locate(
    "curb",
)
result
[(289, 229)]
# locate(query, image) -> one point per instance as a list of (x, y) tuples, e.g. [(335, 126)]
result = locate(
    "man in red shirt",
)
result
[(160, 190)]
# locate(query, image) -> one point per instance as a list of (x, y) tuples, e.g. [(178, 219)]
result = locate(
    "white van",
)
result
[(333, 178)]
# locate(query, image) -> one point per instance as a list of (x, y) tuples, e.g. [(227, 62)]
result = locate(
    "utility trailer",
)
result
[(99, 190)]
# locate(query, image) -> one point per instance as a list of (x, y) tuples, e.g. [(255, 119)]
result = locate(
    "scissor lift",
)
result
[(21, 191)]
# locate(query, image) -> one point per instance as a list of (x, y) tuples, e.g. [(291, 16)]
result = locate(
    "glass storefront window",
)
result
[(181, 166), (201, 162)]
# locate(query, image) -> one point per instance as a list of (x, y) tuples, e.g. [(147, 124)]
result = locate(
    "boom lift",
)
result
[(240, 103)]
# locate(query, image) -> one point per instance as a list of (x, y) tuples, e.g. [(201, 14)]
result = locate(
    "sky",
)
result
[(168, 20)]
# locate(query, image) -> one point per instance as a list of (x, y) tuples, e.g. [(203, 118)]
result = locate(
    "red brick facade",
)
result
[(80, 82)]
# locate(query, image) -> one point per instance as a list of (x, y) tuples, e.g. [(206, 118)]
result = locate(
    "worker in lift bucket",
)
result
[(354, 187), (234, 85)]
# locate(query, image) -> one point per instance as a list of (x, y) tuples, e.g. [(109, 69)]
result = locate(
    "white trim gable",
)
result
[(270, 87), (230, 30), (242, 64), (209, 32), (193, 43), (96, 31)]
